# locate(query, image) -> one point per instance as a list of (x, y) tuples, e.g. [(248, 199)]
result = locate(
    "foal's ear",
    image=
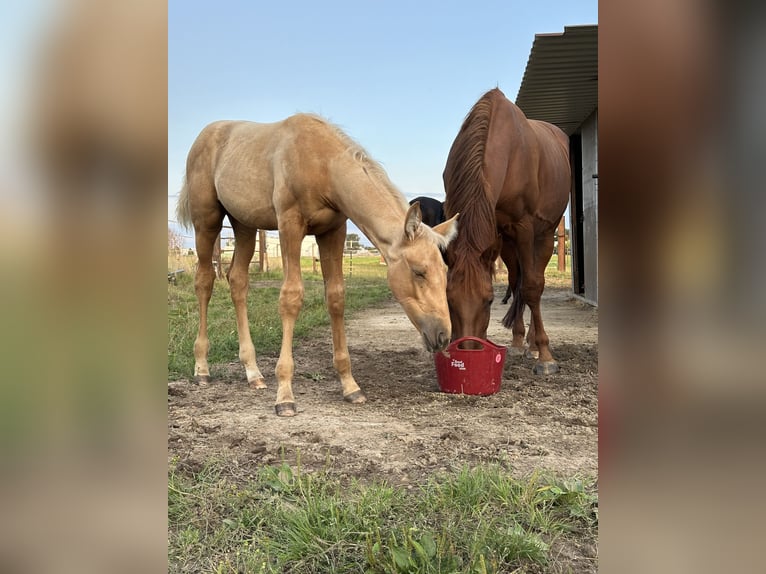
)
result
[(413, 220), (447, 229)]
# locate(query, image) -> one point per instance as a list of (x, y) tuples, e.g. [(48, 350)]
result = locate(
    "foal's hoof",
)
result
[(515, 351), (201, 379), (285, 409), (257, 384), (357, 397), (547, 368)]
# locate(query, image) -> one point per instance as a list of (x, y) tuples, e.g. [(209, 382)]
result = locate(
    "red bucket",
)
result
[(470, 371)]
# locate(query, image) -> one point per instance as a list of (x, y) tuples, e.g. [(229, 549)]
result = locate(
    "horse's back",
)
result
[(555, 172), (528, 161), (229, 163), (253, 166)]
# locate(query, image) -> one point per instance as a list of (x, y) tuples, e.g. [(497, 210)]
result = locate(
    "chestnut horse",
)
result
[(509, 177), (304, 176)]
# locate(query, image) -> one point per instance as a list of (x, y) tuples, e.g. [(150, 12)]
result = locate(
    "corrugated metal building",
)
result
[(560, 86)]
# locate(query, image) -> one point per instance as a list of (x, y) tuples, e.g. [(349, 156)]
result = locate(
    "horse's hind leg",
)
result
[(533, 285), (206, 231), (331, 255), (239, 283), (509, 257)]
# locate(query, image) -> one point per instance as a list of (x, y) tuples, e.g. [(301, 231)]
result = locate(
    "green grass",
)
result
[(479, 520), (556, 278), (362, 290)]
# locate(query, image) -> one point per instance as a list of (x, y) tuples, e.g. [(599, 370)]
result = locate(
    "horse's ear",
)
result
[(413, 220), (447, 229)]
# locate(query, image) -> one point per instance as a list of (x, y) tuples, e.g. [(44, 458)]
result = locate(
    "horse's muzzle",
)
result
[(436, 336)]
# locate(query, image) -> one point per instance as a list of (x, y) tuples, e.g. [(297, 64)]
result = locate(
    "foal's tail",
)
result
[(183, 210), (517, 307)]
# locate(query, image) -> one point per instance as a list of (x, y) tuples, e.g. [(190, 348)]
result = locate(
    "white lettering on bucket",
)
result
[(459, 364)]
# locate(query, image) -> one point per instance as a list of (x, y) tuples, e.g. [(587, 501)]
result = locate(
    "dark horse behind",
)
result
[(432, 210), (509, 178)]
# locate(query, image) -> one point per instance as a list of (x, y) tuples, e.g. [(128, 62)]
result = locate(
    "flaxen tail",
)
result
[(183, 210)]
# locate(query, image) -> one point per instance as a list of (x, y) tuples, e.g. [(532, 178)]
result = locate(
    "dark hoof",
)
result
[(357, 397), (505, 301), (257, 384), (285, 409), (548, 368), (201, 379)]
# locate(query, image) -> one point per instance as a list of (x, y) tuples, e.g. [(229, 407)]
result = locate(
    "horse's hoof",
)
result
[(515, 351), (357, 397), (201, 380), (505, 301), (528, 354), (257, 384), (285, 409), (547, 368)]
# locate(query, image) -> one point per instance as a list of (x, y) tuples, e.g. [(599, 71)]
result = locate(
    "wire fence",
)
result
[(354, 265)]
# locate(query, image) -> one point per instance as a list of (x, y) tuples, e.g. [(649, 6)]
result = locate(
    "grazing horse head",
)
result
[(469, 289), (418, 279)]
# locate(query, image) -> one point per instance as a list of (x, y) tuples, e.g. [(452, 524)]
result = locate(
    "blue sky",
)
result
[(398, 76)]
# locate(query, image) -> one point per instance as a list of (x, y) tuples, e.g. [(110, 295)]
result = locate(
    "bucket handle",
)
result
[(457, 342)]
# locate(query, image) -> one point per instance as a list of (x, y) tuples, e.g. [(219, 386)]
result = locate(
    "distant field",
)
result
[(358, 266)]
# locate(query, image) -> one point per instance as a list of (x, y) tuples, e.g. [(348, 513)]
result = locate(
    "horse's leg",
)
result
[(509, 257), (290, 303), (532, 351), (534, 283), (205, 236), (331, 255), (239, 283)]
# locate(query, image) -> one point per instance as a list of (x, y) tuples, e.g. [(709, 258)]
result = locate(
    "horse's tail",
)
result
[(183, 209), (517, 307)]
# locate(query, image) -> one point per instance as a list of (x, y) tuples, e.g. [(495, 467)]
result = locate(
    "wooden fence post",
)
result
[(217, 259), (262, 250)]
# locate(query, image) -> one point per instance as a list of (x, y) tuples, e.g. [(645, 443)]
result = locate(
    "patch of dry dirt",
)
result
[(407, 429)]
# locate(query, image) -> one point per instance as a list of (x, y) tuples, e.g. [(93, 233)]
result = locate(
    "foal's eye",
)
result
[(419, 273)]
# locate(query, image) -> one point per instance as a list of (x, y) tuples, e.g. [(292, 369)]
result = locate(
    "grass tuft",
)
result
[(284, 520)]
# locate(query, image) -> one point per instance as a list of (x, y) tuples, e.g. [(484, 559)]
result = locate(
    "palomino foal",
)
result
[(305, 176)]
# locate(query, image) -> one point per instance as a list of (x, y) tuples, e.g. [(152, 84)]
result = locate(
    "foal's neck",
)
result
[(377, 211)]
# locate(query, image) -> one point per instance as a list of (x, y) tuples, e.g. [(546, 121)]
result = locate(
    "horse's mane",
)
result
[(373, 168), (466, 188)]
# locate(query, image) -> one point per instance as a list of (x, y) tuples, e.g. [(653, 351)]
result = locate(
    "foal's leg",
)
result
[(331, 255), (239, 283), (290, 303), (203, 287), (534, 283)]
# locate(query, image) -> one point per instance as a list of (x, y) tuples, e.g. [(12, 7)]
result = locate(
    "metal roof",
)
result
[(560, 83)]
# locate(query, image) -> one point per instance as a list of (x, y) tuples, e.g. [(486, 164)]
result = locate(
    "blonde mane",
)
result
[(370, 166)]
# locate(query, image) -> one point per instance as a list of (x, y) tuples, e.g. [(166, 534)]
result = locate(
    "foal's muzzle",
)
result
[(436, 335)]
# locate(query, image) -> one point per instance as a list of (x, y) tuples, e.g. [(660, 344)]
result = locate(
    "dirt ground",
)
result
[(407, 429)]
